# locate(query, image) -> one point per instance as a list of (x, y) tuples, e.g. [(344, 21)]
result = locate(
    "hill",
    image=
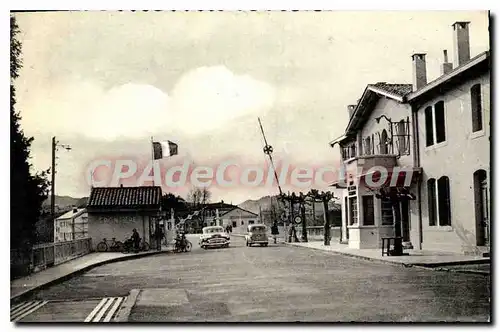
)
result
[(66, 202), (265, 204)]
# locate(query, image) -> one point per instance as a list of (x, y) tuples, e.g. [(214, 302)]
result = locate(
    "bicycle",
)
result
[(178, 247), (144, 246), (114, 246)]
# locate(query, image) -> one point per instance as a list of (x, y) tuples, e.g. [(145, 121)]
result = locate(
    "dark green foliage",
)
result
[(170, 201), (27, 191)]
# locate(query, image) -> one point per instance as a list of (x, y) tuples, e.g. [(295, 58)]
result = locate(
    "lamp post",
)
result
[(55, 145)]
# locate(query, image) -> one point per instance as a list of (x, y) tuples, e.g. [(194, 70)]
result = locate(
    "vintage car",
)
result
[(214, 237), (256, 234)]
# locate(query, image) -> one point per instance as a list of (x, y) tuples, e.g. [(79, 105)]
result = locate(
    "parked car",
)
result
[(256, 234), (214, 237)]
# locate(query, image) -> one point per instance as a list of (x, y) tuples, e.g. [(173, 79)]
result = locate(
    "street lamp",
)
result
[(55, 145)]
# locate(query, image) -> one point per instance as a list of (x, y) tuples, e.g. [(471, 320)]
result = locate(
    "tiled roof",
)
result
[(125, 197), (72, 214), (395, 89), (220, 205)]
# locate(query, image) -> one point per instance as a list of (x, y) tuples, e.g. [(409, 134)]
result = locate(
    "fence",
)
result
[(46, 255)]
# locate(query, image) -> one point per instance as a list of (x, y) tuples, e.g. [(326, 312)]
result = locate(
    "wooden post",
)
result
[(327, 222), (304, 226)]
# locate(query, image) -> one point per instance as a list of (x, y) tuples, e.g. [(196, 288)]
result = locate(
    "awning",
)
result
[(403, 177)]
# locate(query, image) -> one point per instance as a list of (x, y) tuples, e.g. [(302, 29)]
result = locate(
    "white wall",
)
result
[(458, 157), (363, 236), (117, 225)]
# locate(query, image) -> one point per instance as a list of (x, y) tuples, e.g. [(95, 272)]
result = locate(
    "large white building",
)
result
[(439, 133)]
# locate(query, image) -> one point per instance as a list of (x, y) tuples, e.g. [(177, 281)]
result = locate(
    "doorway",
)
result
[(481, 200), (346, 219), (405, 220)]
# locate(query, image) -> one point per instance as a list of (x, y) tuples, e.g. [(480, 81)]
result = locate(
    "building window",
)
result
[(251, 222), (443, 186), (431, 198), (384, 144), (435, 124), (373, 144), (242, 223), (477, 110), (349, 151), (368, 146), (429, 127), (440, 122), (368, 211), (387, 215), (402, 138), (234, 224), (353, 211)]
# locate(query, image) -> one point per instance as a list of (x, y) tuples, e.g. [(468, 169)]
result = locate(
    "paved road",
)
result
[(275, 283)]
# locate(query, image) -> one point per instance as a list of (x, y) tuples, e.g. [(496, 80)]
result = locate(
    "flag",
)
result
[(164, 149)]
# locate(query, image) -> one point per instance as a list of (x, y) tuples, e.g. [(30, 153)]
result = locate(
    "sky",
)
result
[(106, 82)]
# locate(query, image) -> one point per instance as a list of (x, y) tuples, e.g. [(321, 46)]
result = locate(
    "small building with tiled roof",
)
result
[(113, 212)]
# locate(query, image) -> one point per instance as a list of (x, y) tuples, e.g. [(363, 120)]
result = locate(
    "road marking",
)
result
[(22, 310), (96, 309), (113, 310), (102, 308)]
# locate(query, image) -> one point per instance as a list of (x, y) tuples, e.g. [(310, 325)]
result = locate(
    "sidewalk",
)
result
[(26, 285), (422, 258)]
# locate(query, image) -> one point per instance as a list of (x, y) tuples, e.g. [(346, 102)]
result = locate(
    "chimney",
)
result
[(419, 71), (461, 43), (350, 109), (446, 67)]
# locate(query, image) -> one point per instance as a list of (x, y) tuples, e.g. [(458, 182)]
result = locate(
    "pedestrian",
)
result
[(159, 234), (274, 231), (136, 239)]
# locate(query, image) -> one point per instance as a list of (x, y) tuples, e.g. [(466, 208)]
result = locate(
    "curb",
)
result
[(351, 255), (72, 274), (126, 308), (433, 266)]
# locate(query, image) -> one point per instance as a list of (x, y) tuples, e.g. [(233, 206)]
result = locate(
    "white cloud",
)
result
[(209, 97), (203, 99)]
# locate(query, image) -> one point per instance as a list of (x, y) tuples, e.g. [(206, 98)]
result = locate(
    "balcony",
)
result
[(368, 161)]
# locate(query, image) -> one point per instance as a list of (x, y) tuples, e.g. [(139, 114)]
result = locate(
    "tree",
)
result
[(199, 196), (170, 201), (27, 190)]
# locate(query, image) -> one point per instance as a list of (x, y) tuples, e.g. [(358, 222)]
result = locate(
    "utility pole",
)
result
[(53, 181), (55, 145)]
